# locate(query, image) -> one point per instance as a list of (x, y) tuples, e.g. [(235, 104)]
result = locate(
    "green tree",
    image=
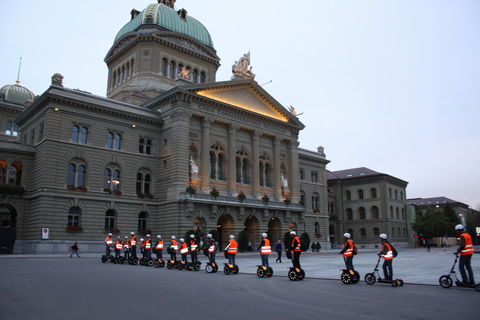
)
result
[(419, 224), (453, 219), (243, 241), (436, 223)]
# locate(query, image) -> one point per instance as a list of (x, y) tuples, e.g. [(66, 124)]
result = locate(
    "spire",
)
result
[(19, 67), (168, 3)]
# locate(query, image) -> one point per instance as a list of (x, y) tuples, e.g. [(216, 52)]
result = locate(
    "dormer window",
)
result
[(182, 14)]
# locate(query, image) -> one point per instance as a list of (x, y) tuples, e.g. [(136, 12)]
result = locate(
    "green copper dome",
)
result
[(170, 19), (15, 93)]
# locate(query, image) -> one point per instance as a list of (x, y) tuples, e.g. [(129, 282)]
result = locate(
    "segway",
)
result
[(110, 257), (263, 271), (159, 263), (171, 264), (193, 266), (349, 276), (296, 274), (211, 267), (446, 280), (370, 278), (181, 265), (133, 261), (230, 268)]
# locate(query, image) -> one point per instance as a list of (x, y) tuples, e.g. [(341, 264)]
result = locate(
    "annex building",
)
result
[(168, 150)]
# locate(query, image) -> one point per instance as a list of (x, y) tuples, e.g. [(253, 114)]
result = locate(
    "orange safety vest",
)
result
[(133, 242), (183, 248), (232, 249), (118, 245), (193, 245), (212, 246), (174, 245), (468, 250), (266, 249), (148, 244), (349, 251), (126, 243), (389, 254), (159, 245), (296, 247), (108, 241)]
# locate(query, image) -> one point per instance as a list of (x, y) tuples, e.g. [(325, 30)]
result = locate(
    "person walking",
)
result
[(278, 248), (231, 250), (265, 250), (387, 255), (74, 250), (347, 252), (466, 252)]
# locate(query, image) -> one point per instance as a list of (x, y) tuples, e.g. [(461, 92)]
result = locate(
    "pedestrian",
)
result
[(159, 247), (249, 246), (278, 248), (74, 250), (428, 245), (347, 252), (295, 249), (387, 255), (466, 251), (231, 250)]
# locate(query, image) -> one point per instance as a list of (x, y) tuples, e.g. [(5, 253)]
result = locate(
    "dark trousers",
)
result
[(264, 260), (296, 259), (173, 255), (159, 253), (279, 258), (388, 269), (465, 264), (193, 255), (134, 251), (231, 259), (211, 256), (349, 262)]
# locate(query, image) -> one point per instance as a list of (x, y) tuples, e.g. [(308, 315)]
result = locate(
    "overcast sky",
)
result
[(388, 85)]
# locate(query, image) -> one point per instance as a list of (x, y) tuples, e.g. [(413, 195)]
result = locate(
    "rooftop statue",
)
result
[(240, 68), (184, 73)]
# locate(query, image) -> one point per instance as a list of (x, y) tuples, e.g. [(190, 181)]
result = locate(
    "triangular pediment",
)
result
[(246, 97)]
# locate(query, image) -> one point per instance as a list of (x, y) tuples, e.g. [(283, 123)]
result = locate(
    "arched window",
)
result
[(118, 139), (360, 194), (202, 77), (363, 233), (349, 214), (142, 221), (373, 192), (216, 162), (171, 70), (148, 146), (390, 193), (110, 140), (348, 195), (73, 217), (302, 174), (265, 171), (361, 213), (8, 130), (302, 199), (397, 213), (14, 174), (143, 183), (315, 206), (141, 145), (317, 229), (374, 211), (194, 75), (164, 67), (79, 134), (396, 195), (242, 166), (401, 195), (403, 214), (110, 219), (391, 212), (74, 137), (83, 135), (76, 175), (111, 180), (376, 231)]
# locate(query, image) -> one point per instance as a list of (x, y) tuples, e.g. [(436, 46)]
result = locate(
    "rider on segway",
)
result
[(159, 247), (265, 250), (231, 250), (126, 248), (193, 249)]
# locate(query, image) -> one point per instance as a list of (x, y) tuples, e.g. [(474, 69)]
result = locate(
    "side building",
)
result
[(366, 203)]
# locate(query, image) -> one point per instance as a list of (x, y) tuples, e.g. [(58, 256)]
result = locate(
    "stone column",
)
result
[(255, 164), (232, 151), (205, 169), (293, 170), (276, 167)]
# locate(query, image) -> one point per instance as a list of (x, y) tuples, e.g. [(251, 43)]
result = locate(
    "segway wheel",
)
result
[(169, 264), (477, 287), (121, 260), (400, 282), (346, 278), (394, 283), (215, 268), (269, 272), (135, 261), (156, 264), (292, 275), (180, 266), (226, 269), (260, 272), (197, 267), (104, 258), (162, 263), (356, 277), (235, 269), (209, 268), (301, 274), (150, 263), (370, 278), (445, 281)]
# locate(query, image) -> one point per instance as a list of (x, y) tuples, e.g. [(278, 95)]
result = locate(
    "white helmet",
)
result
[(118, 237), (347, 235), (159, 236), (109, 234), (293, 232), (209, 235), (132, 233), (264, 235), (459, 227), (141, 240), (173, 237), (126, 237), (232, 236), (148, 236), (192, 236), (182, 240), (383, 236)]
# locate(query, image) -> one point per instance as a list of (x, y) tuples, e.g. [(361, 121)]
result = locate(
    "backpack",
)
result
[(355, 250), (394, 251), (303, 245)]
